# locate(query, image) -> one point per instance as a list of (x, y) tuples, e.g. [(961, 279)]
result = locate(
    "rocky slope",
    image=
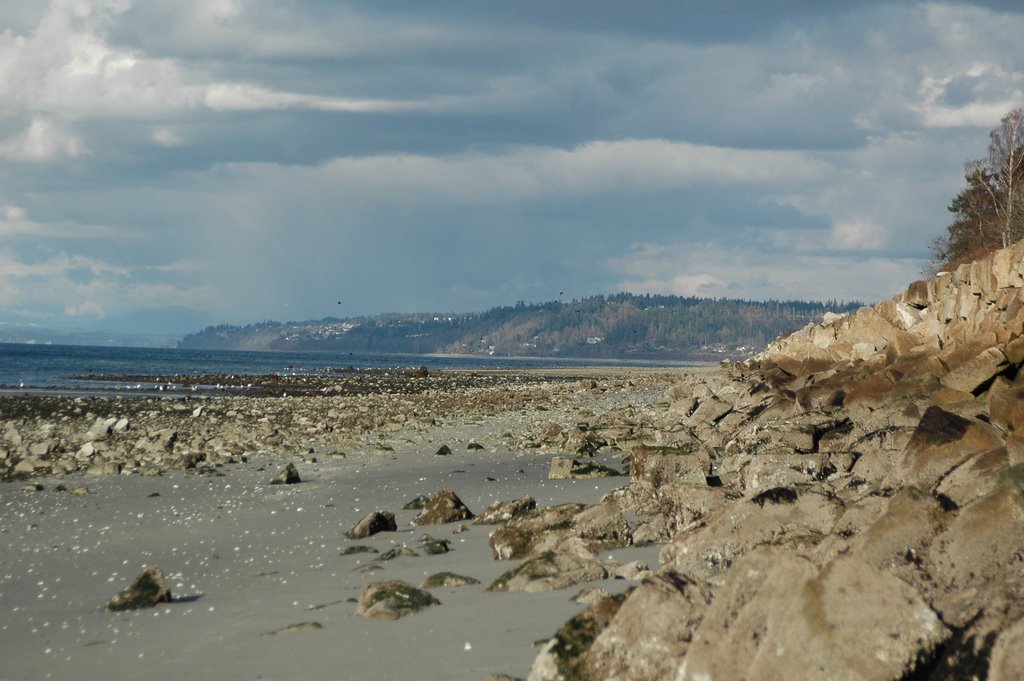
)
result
[(849, 504)]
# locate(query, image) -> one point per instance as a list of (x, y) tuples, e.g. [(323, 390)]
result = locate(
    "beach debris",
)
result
[(504, 511), (392, 599), (443, 450), (446, 579), (443, 507), (296, 628), (372, 523), (148, 589), (289, 475), (474, 446)]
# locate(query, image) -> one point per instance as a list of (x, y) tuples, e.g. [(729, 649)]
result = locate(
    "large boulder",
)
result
[(986, 538), (942, 441), (976, 371), (777, 616), (798, 518), (651, 632), (564, 656), (659, 465)]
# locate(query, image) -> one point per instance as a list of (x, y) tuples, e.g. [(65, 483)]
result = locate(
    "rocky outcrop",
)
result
[(847, 504)]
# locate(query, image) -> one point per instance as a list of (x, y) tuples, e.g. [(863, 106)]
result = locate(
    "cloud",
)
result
[(69, 67), (43, 140), (621, 166), (857, 235), (247, 97), (89, 288), (16, 224), (740, 271), (166, 136), (455, 157)]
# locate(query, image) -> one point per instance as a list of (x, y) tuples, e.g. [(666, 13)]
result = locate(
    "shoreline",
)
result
[(246, 559)]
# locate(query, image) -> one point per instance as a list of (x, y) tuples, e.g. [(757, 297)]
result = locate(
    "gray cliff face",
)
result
[(848, 504)]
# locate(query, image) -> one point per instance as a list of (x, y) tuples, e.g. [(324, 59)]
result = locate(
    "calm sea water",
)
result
[(57, 366)]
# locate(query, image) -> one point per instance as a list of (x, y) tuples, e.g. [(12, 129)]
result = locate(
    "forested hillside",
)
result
[(621, 325)]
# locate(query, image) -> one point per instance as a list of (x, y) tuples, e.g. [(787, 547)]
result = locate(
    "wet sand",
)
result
[(245, 558)]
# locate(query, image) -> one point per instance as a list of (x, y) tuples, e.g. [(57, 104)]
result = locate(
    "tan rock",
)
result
[(503, 511), (778, 617), (392, 599), (918, 294), (1007, 661), (941, 442), (976, 371), (734, 529), (148, 589), (659, 465), (565, 468), (372, 523), (443, 507), (976, 477), (651, 631), (570, 564), (986, 537)]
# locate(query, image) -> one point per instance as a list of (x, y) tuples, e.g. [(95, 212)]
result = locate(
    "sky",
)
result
[(165, 164)]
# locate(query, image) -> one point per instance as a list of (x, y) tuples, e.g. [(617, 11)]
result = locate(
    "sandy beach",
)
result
[(245, 559)]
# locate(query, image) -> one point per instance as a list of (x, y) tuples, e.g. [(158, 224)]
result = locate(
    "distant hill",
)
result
[(617, 326)]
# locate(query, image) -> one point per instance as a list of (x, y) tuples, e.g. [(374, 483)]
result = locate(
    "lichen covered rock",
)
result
[(392, 599), (443, 507), (148, 589)]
